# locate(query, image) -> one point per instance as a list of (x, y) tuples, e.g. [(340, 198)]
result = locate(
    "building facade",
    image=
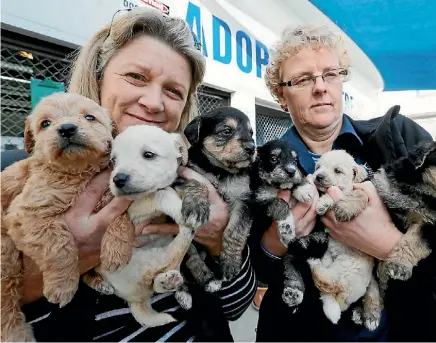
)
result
[(38, 38)]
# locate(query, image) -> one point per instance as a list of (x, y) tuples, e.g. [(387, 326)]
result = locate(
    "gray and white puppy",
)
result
[(408, 189)]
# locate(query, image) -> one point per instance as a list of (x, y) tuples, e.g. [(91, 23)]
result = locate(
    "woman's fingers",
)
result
[(116, 207), (92, 194)]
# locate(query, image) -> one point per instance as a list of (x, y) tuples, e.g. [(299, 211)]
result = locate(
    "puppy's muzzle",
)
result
[(290, 170), (120, 180), (67, 130)]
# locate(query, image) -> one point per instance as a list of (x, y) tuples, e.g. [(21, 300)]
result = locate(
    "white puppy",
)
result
[(344, 274), (145, 160)]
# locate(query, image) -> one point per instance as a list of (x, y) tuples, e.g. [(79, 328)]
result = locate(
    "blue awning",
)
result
[(399, 36)]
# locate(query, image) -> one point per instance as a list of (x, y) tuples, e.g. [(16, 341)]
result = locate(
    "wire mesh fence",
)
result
[(270, 127), (20, 64), (209, 100)]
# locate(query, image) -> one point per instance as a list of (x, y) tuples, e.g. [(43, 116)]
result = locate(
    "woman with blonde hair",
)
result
[(305, 74), (144, 68)]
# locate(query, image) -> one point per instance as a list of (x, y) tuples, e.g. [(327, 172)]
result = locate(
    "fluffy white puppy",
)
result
[(344, 274), (145, 160)]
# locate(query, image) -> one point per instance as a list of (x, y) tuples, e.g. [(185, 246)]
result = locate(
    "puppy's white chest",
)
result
[(235, 188)]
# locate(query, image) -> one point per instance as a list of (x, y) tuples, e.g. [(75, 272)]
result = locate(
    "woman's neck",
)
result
[(320, 141)]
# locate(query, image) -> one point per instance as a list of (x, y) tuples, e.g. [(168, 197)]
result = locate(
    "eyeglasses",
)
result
[(331, 76)]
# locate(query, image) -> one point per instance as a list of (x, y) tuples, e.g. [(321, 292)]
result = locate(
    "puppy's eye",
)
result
[(45, 123), (226, 131), (89, 117), (148, 155), (273, 159), (338, 171)]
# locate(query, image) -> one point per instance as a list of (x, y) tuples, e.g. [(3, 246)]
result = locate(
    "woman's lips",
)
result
[(322, 104), (144, 119)]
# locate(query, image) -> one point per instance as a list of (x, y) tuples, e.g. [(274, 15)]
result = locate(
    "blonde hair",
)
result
[(291, 41), (91, 60)]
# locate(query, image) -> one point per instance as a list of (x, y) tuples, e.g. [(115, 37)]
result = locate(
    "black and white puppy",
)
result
[(277, 168), (223, 150)]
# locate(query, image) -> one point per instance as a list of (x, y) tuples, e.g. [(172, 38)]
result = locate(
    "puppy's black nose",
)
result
[(67, 130), (290, 170), (120, 179), (249, 147), (320, 178)]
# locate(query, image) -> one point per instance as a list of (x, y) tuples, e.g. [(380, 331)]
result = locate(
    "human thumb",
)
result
[(335, 193)]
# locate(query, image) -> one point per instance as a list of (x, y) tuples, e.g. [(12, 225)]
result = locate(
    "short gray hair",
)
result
[(92, 58), (291, 41)]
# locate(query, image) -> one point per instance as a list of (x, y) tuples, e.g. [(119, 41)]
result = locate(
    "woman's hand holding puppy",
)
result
[(209, 235), (305, 219), (87, 228), (372, 231)]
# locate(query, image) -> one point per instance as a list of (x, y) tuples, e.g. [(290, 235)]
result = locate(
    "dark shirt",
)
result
[(347, 140)]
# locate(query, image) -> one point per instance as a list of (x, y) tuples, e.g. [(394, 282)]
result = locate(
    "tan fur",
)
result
[(230, 154), (154, 267), (46, 185), (343, 274), (405, 255)]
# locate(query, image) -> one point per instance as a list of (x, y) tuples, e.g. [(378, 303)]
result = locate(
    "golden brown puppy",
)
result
[(69, 137)]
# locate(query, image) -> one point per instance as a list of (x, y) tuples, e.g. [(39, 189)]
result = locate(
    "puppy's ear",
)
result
[(29, 140), (360, 174), (192, 130), (182, 149)]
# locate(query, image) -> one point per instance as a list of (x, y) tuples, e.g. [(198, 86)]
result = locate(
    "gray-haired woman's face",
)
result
[(146, 82), (318, 106)]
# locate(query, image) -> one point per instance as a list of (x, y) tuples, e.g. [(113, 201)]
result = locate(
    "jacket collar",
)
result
[(305, 157)]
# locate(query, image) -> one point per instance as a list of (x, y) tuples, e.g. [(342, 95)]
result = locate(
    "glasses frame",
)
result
[(343, 73)]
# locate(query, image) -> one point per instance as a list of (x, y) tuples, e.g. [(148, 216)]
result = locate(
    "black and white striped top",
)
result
[(92, 316)]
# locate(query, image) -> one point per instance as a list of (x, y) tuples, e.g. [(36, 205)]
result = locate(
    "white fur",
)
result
[(154, 267), (343, 274)]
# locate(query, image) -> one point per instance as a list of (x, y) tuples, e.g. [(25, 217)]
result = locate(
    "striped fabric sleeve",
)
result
[(237, 294)]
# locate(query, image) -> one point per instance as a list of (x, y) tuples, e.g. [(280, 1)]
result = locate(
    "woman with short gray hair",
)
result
[(305, 75), (144, 68)]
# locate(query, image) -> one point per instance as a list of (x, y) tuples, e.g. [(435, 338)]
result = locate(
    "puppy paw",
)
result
[(398, 271), (372, 322), (184, 299), (323, 205), (344, 211), (96, 282), (357, 315), (213, 286), (60, 292), (286, 230), (305, 193), (231, 268), (169, 281), (195, 212), (150, 321), (292, 296)]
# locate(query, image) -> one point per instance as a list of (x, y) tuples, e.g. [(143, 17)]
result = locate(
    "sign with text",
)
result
[(126, 4)]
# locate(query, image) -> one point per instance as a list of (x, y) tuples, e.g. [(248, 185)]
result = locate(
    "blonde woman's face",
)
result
[(146, 82), (319, 105)]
